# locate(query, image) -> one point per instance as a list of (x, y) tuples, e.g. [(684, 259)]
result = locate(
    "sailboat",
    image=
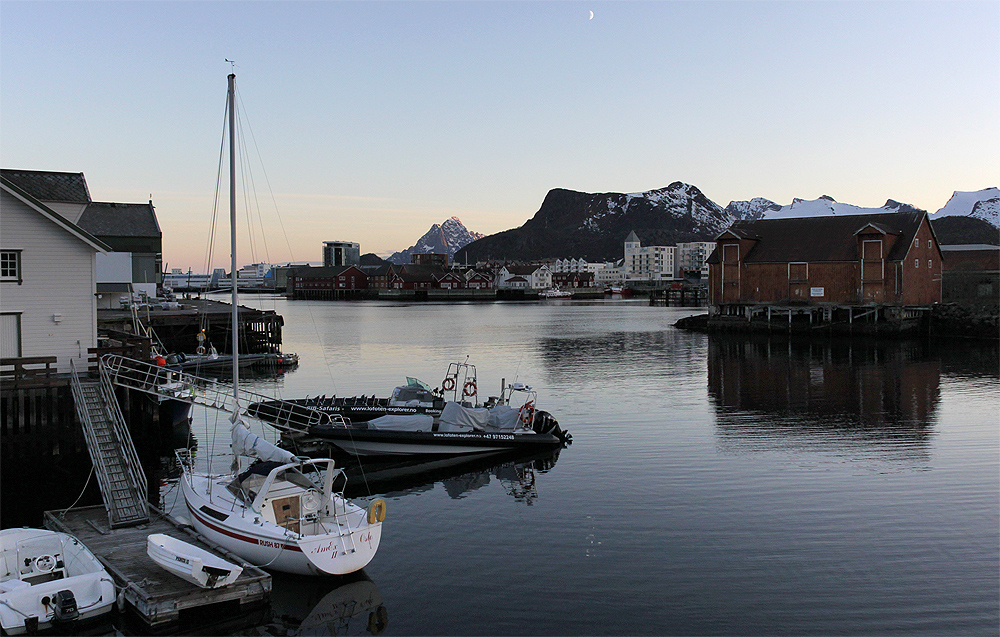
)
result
[(273, 509)]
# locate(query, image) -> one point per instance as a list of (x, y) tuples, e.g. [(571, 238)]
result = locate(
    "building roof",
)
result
[(45, 185), (522, 269), (324, 272), (53, 216), (632, 238), (818, 239), (985, 259), (120, 220)]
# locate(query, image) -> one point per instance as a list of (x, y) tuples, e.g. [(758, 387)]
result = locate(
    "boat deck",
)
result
[(157, 596)]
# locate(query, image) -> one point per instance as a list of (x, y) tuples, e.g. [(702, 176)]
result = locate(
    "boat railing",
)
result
[(168, 384)]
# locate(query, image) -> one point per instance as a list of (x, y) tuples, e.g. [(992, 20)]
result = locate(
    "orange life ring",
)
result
[(376, 511), (527, 412), (448, 384), (469, 389)]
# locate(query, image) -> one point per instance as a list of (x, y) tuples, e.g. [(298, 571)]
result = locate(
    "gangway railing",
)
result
[(165, 384), (119, 473)]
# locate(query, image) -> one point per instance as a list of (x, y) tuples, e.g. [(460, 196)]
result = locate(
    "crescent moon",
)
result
[(591, 16)]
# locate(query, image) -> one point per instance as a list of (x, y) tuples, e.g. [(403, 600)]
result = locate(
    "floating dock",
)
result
[(158, 597)]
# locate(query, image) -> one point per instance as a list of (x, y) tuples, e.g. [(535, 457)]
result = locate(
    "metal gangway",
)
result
[(119, 474), (167, 384)]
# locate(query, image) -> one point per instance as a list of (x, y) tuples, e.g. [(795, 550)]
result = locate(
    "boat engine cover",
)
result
[(544, 423), (65, 606)]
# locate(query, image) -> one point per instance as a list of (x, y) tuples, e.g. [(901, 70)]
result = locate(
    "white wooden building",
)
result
[(48, 280)]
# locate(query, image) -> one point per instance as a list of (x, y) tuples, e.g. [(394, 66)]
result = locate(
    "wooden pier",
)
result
[(159, 598)]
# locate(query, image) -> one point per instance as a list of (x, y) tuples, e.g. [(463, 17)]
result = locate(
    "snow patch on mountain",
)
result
[(981, 204), (677, 200), (751, 210), (446, 238), (827, 205)]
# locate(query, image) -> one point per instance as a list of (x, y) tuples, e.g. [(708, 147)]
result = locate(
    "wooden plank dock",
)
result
[(158, 597)]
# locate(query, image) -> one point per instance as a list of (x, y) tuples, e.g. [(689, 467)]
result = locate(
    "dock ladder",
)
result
[(119, 473)]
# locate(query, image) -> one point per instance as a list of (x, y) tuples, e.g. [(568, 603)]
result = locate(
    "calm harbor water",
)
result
[(714, 485)]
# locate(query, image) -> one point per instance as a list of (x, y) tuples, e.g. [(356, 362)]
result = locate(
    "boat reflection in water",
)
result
[(877, 397), (348, 605), (459, 475)]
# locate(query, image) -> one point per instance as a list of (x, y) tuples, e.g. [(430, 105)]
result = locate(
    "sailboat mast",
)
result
[(234, 336)]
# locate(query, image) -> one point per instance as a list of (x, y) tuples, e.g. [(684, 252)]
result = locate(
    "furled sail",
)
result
[(247, 443)]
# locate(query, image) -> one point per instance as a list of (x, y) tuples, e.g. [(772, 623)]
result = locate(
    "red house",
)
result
[(871, 259)]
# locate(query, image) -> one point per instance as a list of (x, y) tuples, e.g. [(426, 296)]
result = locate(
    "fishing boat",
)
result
[(50, 580), (191, 563), (271, 508)]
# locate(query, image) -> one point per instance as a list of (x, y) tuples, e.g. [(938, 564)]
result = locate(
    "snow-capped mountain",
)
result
[(751, 210), (445, 238), (593, 226), (981, 204), (827, 205)]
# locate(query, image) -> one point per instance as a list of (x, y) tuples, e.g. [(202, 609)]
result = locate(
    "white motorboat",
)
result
[(555, 293), (273, 509), (191, 563), (50, 580)]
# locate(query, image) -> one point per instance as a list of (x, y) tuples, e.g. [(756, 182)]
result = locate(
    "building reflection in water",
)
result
[(874, 396)]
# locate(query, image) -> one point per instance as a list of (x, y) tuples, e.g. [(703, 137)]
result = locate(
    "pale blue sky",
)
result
[(376, 119)]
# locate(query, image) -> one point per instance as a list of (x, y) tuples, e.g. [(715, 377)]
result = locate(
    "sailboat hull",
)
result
[(349, 546)]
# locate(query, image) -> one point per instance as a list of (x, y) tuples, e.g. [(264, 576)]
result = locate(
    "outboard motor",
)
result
[(65, 606), (544, 423)]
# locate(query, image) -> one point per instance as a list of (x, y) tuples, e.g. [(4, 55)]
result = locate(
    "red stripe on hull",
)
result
[(237, 536)]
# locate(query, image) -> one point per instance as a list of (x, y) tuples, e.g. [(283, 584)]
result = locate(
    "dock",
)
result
[(159, 598)]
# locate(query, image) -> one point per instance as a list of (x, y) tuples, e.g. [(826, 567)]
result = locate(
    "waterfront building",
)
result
[(648, 263), (132, 266), (536, 277), (570, 280), (337, 253), (877, 259), (48, 279), (475, 280), (692, 257)]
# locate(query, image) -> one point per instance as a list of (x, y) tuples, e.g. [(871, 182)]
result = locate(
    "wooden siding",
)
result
[(59, 277), (873, 278), (922, 285)]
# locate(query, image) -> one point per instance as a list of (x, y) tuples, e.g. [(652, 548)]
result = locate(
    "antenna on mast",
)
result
[(233, 62)]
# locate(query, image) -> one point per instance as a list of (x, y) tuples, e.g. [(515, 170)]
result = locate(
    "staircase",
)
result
[(119, 474)]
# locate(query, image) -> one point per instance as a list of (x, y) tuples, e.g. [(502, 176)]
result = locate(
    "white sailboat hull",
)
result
[(349, 545)]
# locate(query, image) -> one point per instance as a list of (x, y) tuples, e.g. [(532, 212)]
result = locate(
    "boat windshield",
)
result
[(409, 393)]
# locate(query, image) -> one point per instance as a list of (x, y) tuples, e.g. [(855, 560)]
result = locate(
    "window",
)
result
[(916, 242), (929, 263), (10, 265), (930, 242), (916, 263)]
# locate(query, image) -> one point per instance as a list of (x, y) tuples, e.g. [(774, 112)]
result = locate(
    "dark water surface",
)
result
[(714, 485)]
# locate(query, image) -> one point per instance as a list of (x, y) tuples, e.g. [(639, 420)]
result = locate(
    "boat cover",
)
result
[(415, 422), (504, 418), (247, 443), (455, 417)]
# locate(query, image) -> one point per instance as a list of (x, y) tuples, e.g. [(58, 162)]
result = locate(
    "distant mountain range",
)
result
[(445, 238), (593, 226)]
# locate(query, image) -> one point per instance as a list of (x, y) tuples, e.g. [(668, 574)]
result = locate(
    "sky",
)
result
[(371, 121)]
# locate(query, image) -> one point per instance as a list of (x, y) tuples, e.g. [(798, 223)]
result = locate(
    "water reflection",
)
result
[(459, 476), (349, 605), (865, 394)]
